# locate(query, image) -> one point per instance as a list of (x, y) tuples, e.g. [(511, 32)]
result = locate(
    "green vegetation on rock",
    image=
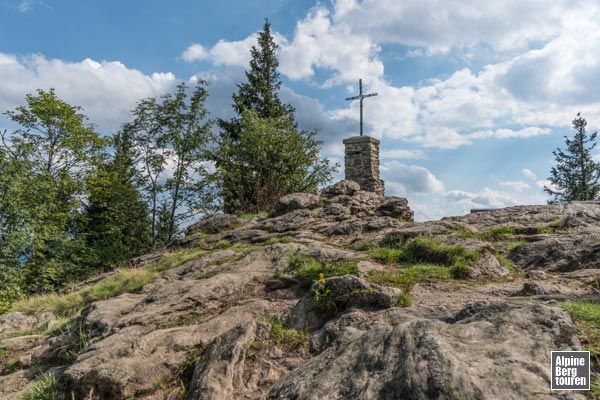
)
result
[(123, 281), (307, 269), (45, 388)]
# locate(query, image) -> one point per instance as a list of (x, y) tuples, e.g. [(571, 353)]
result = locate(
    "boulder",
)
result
[(559, 254), (214, 224), (337, 294), (345, 187), (16, 322), (294, 201), (397, 207)]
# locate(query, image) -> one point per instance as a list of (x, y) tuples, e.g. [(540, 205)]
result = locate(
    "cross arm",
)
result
[(353, 98), (370, 95)]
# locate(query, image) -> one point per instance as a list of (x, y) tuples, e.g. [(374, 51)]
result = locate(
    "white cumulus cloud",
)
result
[(107, 90)]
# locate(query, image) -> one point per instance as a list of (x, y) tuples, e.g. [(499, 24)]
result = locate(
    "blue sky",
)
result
[(473, 96)]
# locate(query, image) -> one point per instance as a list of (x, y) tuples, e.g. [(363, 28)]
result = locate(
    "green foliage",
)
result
[(242, 219), (46, 388), (428, 250), (387, 255), (68, 304), (460, 270), (44, 165), (12, 365), (507, 262), (174, 130), (587, 316), (404, 300), (262, 155), (174, 259), (115, 224), (576, 175), (289, 337), (426, 273), (307, 270), (270, 159), (260, 91), (423, 250), (497, 233)]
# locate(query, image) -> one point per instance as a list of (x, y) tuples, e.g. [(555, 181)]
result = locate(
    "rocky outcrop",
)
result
[(560, 254), (234, 317), (471, 354)]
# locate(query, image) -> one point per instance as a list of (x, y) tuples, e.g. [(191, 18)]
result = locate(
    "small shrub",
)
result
[(460, 270), (404, 300), (46, 388)]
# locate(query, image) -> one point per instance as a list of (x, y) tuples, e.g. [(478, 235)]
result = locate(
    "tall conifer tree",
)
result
[(260, 92), (576, 175)]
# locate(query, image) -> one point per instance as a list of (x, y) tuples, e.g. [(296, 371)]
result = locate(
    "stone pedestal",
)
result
[(362, 163)]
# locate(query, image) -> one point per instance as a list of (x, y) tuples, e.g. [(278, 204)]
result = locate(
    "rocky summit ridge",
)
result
[(331, 296)]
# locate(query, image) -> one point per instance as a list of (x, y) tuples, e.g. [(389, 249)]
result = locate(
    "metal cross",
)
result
[(360, 97)]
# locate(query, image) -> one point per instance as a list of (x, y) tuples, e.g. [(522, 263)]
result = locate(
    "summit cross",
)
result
[(360, 97)]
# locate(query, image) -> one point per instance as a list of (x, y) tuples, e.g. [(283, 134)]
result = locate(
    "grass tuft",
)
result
[(69, 304), (307, 269), (46, 388), (587, 316)]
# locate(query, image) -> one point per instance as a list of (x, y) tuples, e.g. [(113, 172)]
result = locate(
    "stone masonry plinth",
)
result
[(362, 163)]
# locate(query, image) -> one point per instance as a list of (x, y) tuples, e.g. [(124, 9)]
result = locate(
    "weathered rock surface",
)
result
[(472, 354), (562, 254), (343, 292), (295, 201), (212, 321), (216, 224)]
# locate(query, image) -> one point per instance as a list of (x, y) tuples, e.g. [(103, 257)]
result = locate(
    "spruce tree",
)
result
[(576, 175), (262, 155), (260, 91), (116, 222)]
